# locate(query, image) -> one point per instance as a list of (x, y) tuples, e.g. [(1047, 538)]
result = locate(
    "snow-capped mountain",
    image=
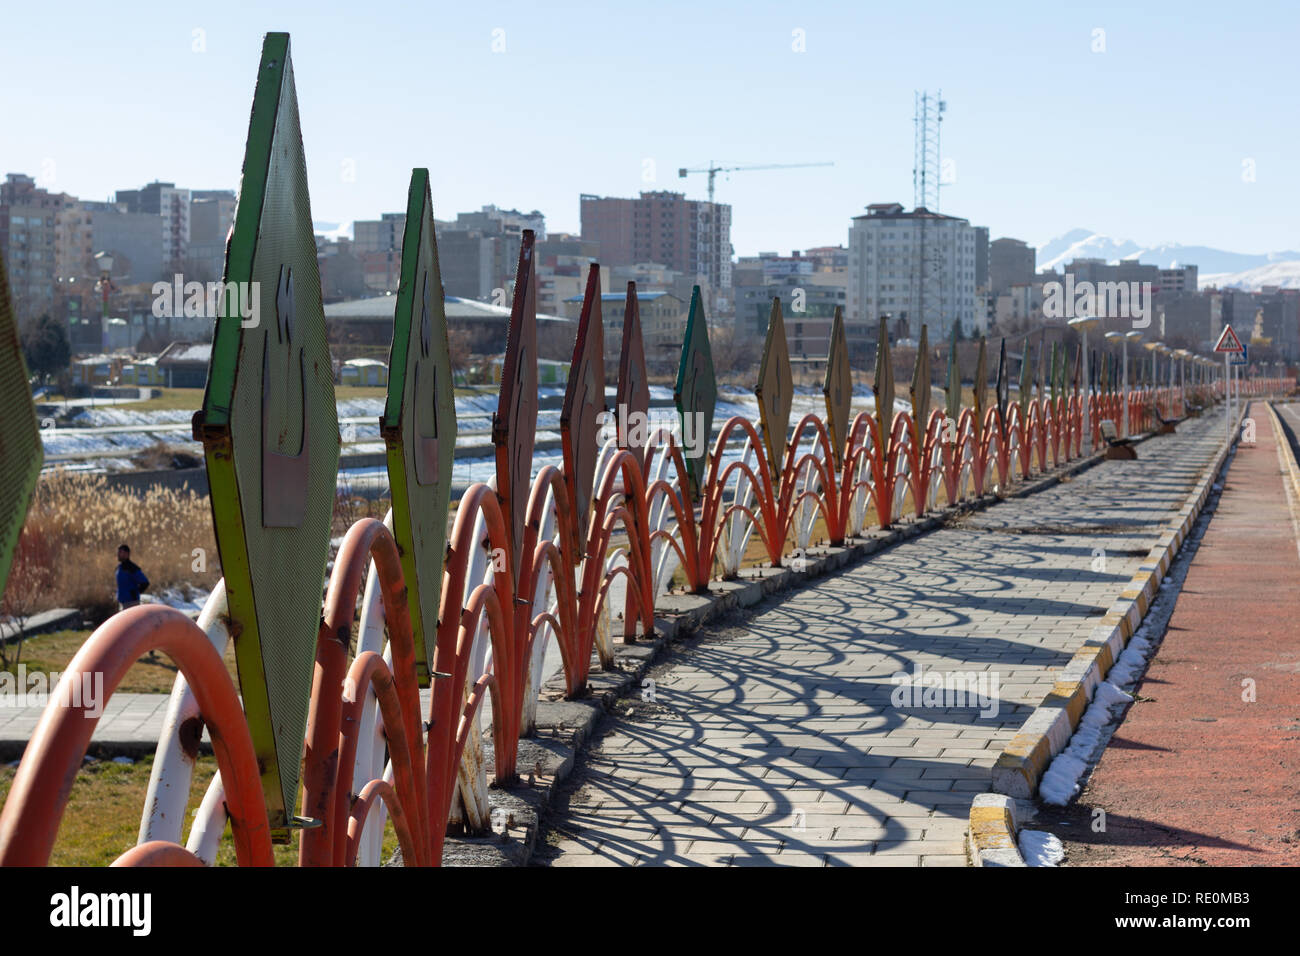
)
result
[(1283, 274), (1083, 244), (1215, 266)]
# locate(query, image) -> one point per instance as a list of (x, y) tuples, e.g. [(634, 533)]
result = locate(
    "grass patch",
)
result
[(102, 819), (152, 674)]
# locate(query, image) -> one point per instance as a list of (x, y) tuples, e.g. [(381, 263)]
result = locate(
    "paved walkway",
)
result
[(1196, 774), (776, 742), (131, 723)]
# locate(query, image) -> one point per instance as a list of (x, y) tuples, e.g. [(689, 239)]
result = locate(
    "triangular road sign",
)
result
[(1228, 341)]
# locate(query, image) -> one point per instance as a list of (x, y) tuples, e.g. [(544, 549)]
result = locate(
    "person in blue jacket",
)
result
[(130, 579)]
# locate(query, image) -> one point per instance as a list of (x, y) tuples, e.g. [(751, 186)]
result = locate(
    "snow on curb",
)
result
[(1048, 730), (1040, 848), (1064, 777), (1061, 782)]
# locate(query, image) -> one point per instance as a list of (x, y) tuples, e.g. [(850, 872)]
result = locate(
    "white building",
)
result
[(913, 267)]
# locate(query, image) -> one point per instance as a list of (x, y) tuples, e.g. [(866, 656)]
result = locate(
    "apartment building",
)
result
[(28, 229), (685, 235), (913, 268), (173, 206)]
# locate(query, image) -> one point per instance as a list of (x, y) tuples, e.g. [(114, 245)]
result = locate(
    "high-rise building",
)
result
[(686, 235), (1010, 262), (1178, 280), (982, 260), (913, 268), (377, 244), (379, 235), (28, 226), (479, 252), (134, 240), (173, 205), (212, 211)]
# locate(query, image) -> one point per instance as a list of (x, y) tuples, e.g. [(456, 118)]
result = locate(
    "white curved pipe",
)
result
[(543, 600), (370, 733), (163, 816), (209, 822)]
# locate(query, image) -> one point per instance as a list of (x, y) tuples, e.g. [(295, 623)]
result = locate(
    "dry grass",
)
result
[(84, 520)]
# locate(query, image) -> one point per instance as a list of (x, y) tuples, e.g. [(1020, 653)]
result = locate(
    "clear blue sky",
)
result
[(1144, 141)]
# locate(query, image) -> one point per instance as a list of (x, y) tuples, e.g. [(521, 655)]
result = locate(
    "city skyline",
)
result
[(683, 87)]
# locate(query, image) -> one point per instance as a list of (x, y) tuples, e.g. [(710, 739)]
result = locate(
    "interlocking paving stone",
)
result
[(772, 729)]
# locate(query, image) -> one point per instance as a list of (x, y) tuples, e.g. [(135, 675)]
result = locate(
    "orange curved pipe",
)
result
[(30, 821), (369, 669), (157, 853), (367, 539), (378, 789)]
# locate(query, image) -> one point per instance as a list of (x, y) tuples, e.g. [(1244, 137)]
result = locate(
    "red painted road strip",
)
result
[(1195, 774)]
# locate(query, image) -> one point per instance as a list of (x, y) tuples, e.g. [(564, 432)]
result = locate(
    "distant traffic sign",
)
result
[(1241, 358), (1228, 341)]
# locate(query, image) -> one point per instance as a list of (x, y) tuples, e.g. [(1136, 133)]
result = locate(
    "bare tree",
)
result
[(458, 351), (734, 356), (30, 576)]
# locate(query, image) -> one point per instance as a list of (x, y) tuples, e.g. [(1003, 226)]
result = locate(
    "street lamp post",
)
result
[(105, 284), (1155, 348), (1113, 336), (1125, 338), (1183, 355), (1083, 323)]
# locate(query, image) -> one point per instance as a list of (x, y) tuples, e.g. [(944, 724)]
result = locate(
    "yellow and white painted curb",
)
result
[(1049, 728), (991, 837)]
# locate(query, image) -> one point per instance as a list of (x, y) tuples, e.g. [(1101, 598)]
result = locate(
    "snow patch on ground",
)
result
[(190, 600), (1040, 848), (1061, 782)]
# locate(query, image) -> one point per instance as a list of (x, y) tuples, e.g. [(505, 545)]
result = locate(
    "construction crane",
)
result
[(713, 170)]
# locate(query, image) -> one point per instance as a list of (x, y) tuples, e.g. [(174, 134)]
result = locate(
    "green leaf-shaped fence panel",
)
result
[(632, 400), (920, 389), (1026, 384), (696, 393), (269, 426), (775, 389), (20, 439), (837, 388), (952, 394), (1003, 387), (883, 384), (419, 420), (981, 388)]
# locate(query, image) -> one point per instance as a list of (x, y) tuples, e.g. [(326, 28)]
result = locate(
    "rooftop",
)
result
[(893, 210), (620, 296), (378, 308)]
